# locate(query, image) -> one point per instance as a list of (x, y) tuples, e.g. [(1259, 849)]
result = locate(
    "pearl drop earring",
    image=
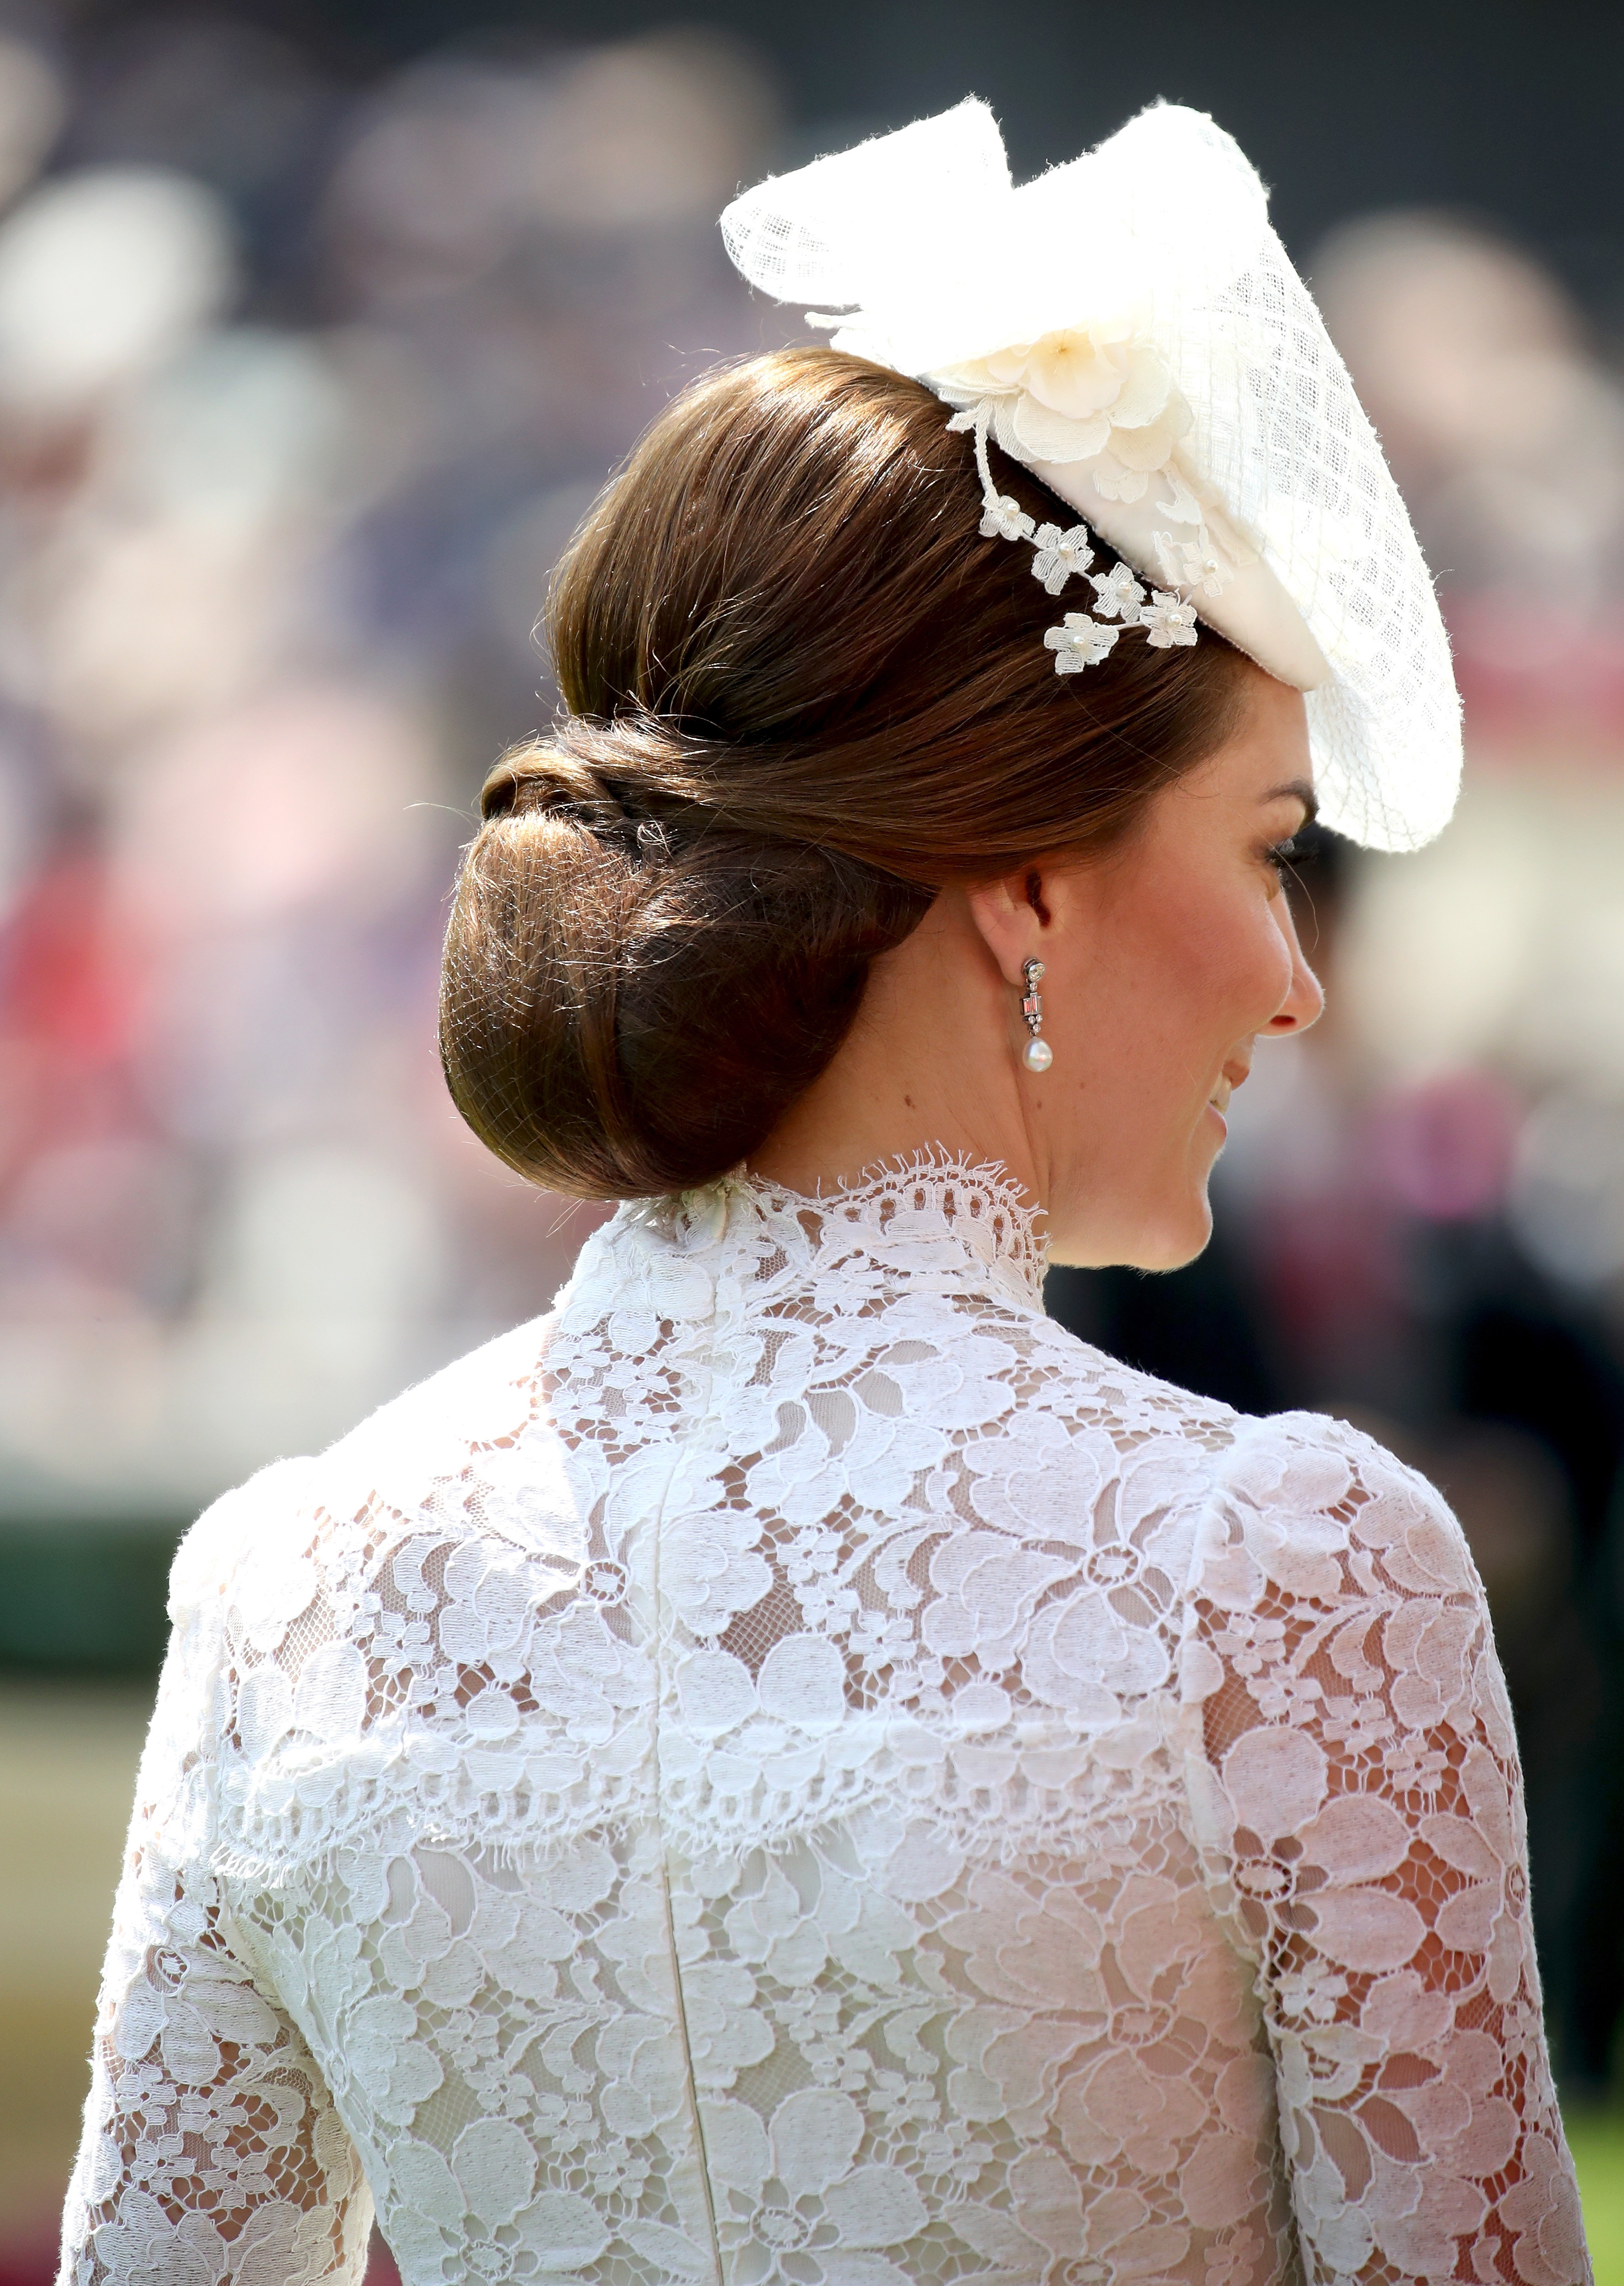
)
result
[(1036, 1055)]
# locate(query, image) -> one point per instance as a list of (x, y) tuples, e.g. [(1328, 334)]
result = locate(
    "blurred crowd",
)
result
[(301, 390), (303, 385)]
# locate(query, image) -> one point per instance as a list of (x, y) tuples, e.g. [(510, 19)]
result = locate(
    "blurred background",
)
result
[(320, 326)]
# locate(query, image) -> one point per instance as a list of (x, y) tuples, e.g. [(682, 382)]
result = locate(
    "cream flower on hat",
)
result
[(1075, 392), (1130, 328)]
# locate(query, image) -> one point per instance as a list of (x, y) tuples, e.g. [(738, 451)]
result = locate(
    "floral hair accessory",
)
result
[(1130, 328), (1169, 622), (1118, 596), (1061, 556), (1080, 642)]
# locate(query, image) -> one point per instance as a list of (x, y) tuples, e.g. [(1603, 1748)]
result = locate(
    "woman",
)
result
[(792, 1767)]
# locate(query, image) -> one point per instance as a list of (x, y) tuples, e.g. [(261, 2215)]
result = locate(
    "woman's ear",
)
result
[(1013, 918)]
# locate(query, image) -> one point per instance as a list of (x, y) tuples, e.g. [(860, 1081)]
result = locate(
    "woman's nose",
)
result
[(1304, 1003)]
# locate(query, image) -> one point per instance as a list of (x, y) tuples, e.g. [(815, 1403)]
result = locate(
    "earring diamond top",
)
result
[(1036, 1055)]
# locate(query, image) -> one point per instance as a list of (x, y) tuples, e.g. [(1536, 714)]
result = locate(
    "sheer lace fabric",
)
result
[(792, 1768)]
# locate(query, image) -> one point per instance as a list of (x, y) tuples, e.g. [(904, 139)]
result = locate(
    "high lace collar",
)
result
[(936, 1216)]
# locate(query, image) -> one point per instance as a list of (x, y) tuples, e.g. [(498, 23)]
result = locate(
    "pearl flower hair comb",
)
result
[(1131, 330), (1080, 640)]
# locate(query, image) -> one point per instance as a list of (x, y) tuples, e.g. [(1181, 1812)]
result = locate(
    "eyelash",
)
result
[(1282, 854)]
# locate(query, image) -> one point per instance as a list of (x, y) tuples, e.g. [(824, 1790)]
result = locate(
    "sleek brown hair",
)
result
[(804, 694)]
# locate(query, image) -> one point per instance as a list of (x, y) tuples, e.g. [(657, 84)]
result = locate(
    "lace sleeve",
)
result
[(1359, 1803), (212, 2151)]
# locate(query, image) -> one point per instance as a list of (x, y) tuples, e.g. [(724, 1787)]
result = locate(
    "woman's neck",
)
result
[(928, 1066)]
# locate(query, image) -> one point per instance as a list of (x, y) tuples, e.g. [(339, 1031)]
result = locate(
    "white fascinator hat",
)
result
[(1130, 328)]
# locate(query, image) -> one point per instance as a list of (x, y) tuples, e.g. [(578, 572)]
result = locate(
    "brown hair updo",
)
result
[(804, 694)]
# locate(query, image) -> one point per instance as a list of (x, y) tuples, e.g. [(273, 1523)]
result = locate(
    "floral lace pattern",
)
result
[(792, 1768)]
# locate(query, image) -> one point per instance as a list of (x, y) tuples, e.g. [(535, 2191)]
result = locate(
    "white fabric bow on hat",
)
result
[(1130, 328)]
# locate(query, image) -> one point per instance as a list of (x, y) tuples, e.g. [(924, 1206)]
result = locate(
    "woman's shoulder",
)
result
[(1316, 1462), (349, 1630), (1266, 1457), (396, 1461), (1289, 1488), (1076, 1395), (1314, 1513)]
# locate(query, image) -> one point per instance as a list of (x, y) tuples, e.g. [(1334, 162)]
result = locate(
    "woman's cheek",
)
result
[(1229, 962), (1251, 977)]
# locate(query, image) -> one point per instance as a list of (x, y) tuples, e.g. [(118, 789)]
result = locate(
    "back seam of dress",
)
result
[(688, 2063), (703, 2156)]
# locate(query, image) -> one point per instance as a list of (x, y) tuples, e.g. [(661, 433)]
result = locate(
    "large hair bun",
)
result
[(631, 998)]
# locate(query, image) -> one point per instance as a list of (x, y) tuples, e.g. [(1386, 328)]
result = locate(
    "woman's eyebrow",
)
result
[(1296, 790)]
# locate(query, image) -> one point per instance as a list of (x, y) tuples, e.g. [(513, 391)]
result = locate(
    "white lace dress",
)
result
[(793, 1768)]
